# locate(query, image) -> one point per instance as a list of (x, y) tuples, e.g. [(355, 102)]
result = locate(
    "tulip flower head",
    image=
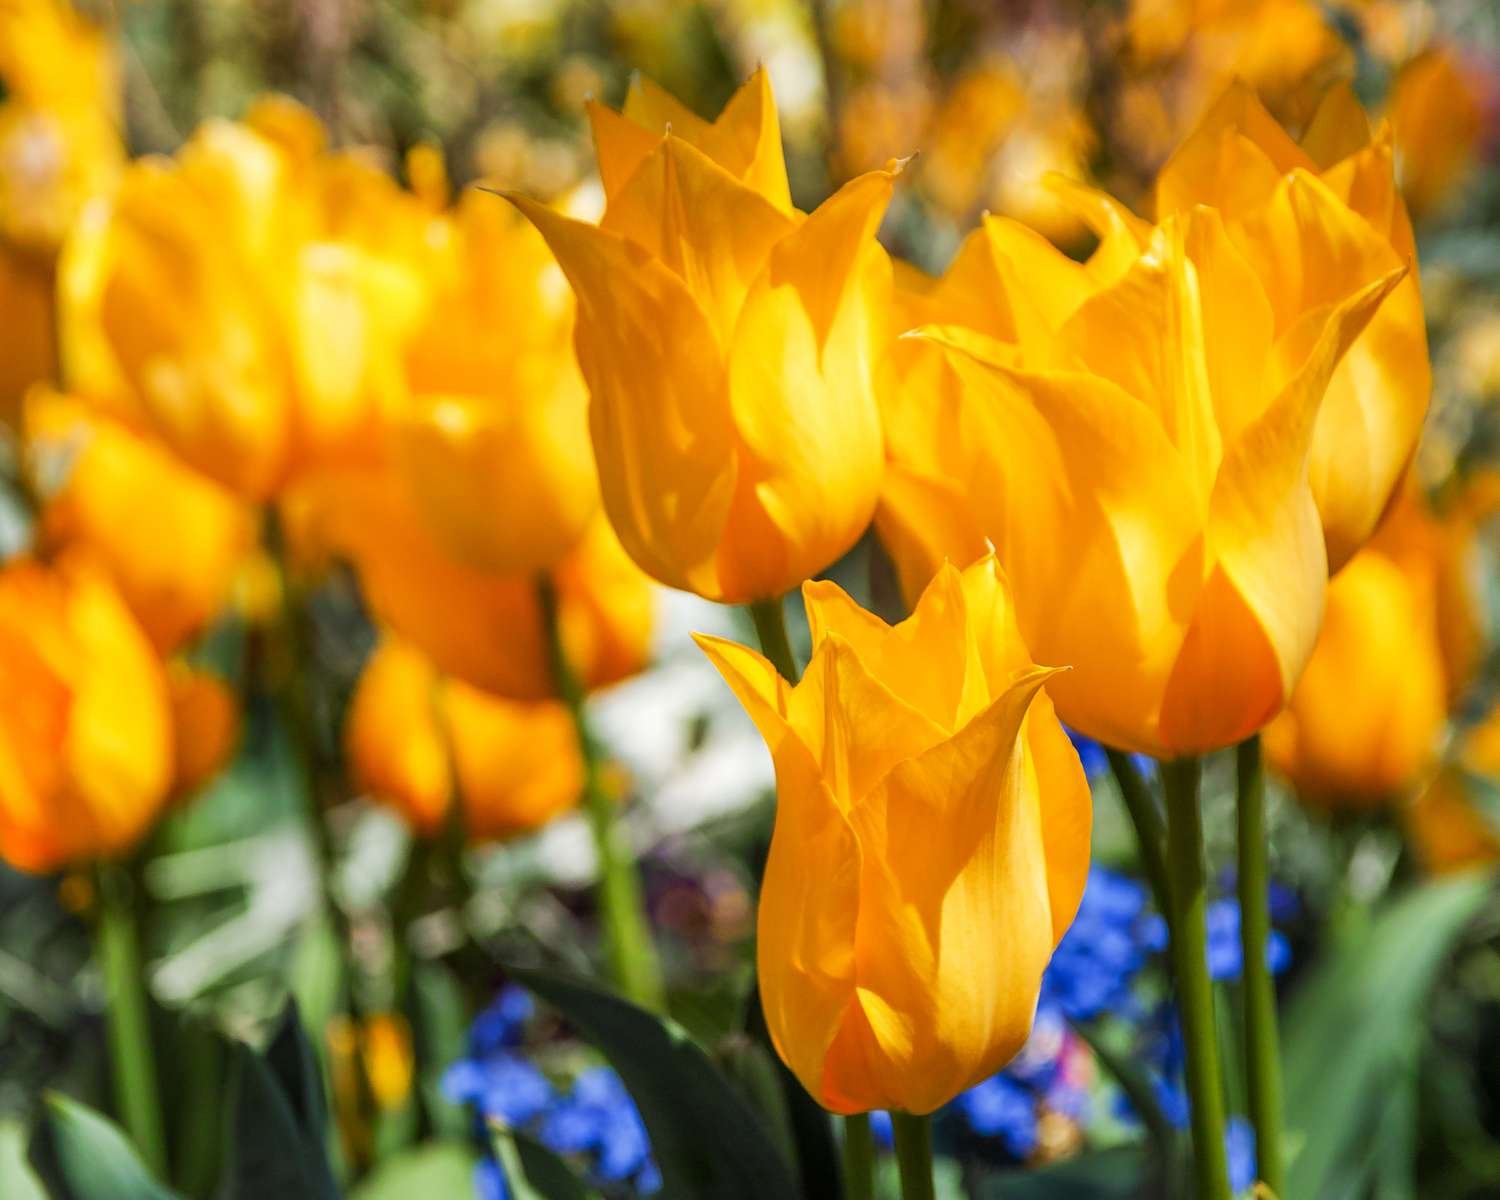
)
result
[(494, 441), (931, 843), (729, 344), (85, 724), (417, 740), (1135, 436)]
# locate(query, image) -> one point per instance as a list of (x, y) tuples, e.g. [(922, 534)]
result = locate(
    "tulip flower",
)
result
[(416, 740), (247, 299), (173, 539), (497, 423), (1399, 646), (931, 843), (1133, 436), (729, 344), (1372, 412), (85, 725), (478, 626)]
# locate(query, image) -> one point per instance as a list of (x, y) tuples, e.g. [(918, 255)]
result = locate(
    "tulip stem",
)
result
[(1262, 1053), (128, 1017), (859, 1157), (628, 948), (1195, 998), (770, 627), (914, 1155), (1150, 830)]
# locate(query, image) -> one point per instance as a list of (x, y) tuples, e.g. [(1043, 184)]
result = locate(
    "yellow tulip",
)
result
[(494, 442), (931, 843), (1438, 117), (414, 738), (173, 539), (240, 298), (729, 345), (1400, 644), (1367, 428), (479, 626), (1364, 723), (85, 726), (205, 726), (1133, 436)]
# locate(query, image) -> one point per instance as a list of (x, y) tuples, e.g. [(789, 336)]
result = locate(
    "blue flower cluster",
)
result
[(1094, 972), (595, 1119)]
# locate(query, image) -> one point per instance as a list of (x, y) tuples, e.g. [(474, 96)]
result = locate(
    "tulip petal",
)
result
[(662, 430), (922, 523), (1258, 617), (802, 386), (1090, 499), (954, 919), (621, 145), (925, 659), (1122, 235), (1067, 812), (1231, 159), (1339, 128), (692, 215)]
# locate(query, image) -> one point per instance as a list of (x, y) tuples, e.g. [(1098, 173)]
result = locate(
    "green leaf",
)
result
[(276, 1144), (709, 1143), (1347, 1031), (436, 1171), (86, 1157), (532, 1171), (1115, 1174)]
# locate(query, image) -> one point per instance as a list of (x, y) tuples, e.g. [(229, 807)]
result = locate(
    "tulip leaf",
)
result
[(1347, 1030), (707, 1140), (276, 1141), (84, 1156), (534, 1172), (1114, 1174)]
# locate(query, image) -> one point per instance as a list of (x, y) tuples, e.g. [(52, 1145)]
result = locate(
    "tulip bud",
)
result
[(930, 849), (729, 345), (85, 725)]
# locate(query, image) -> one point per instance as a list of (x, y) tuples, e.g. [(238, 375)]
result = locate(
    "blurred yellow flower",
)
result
[(1133, 434), (172, 539), (479, 626), (494, 441), (1438, 118), (931, 843), (1367, 428), (85, 723), (729, 344), (414, 738), (247, 297), (205, 726), (1450, 823), (389, 1062)]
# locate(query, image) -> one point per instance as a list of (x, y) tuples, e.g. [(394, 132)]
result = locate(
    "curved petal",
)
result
[(662, 430), (1085, 497), (923, 523), (955, 926)]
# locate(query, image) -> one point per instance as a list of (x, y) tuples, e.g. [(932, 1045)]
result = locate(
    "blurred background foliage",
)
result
[(1392, 981)]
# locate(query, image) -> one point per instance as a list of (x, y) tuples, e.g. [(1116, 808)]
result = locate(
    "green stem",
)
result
[(914, 1155), (770, 627), (1150, 829), (1262, 1052), (1195, 1000), (859, 1157), (627, 933), (132, 1063)]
